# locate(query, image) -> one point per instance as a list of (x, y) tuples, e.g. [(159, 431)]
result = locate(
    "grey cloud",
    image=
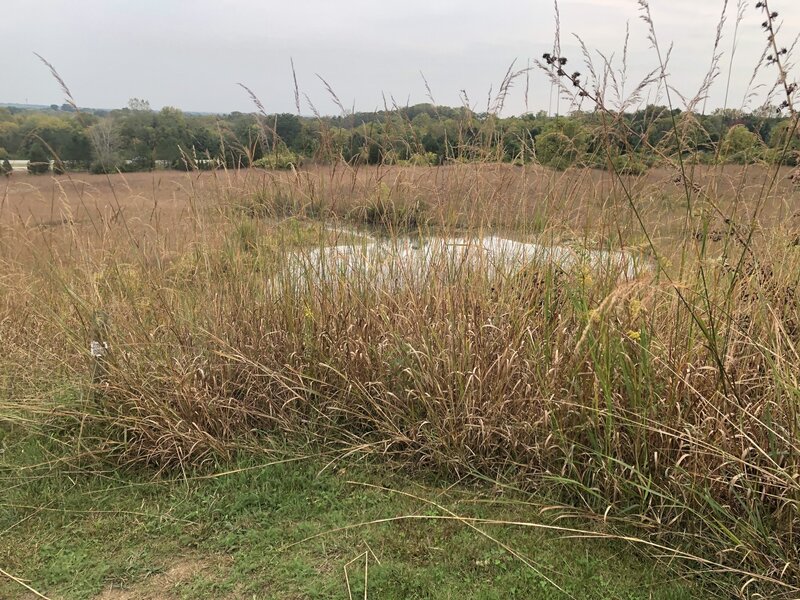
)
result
[(191, 55)]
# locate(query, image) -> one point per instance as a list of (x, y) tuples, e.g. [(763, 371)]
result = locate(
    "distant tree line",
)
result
[(137, 138)]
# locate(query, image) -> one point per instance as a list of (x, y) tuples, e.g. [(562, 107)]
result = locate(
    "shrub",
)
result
[(39, 160), (629, 165), (99, 168), (279, 160), (135, 164), (556, 150), (428, 159), (390, 213), (741, 146)]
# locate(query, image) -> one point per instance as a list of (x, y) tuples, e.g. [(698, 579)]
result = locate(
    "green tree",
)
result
[(171, 135), (562, 146), (289, 130), (105, 146), (39, 159), (10, 136), (139, 104), (5, 165), (782, 146), (741, 146), (136, 132)]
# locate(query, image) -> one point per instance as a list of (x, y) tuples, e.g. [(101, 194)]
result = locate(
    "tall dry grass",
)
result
[(662, 402), (666, 402)]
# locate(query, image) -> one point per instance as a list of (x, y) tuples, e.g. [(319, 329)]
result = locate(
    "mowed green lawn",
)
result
[(304, 528)]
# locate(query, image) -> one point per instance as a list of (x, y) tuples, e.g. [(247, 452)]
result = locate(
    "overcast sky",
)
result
[(192, 53)]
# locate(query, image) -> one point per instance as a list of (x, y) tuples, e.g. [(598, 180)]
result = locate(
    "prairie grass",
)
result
[(665, 403)]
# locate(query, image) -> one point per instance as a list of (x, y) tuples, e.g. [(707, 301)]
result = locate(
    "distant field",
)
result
[(499, 195), (81, 198)]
